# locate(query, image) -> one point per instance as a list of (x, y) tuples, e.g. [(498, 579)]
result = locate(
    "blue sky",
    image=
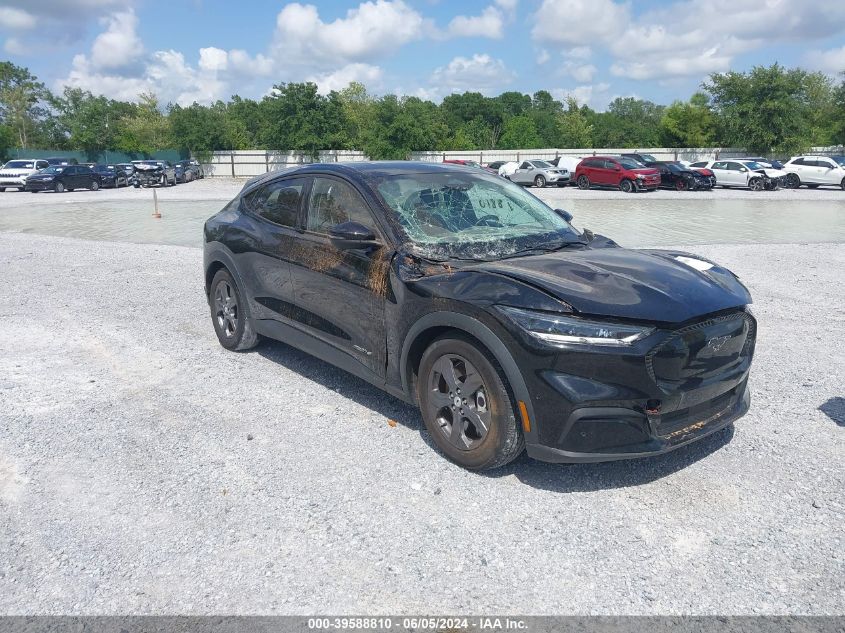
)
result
[(594, 50)]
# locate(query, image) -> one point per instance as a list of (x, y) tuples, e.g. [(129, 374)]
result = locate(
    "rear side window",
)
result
[(720, 165), (277, 202), (825, 163), (799, 161), (335, 202)]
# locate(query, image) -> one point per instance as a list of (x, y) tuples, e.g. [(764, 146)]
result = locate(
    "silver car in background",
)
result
[(540, 173)]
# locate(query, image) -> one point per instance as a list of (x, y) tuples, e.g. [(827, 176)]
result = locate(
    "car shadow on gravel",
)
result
[(835, 410), (563, 478)]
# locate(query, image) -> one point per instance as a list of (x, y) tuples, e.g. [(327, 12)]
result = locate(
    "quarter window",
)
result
[(335, 202), (720, 165), (277, 202)]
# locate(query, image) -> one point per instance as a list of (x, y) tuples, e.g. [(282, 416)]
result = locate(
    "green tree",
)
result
[(146, 129), (628, 122), (297, 117), (23, 102), (689, 124), (574, 128), (765, 109), (401, 126), (520, 132)]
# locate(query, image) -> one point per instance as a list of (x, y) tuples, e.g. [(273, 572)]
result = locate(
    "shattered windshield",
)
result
[(461, 215)]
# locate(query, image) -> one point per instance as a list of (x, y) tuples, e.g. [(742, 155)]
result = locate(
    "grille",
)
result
[(703, 352)]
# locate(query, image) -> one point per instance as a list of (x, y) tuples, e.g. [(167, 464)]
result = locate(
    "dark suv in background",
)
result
[(61, 178), (462, 293)]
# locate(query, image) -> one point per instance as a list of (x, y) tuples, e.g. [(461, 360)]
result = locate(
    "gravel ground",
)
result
[(144, 469)]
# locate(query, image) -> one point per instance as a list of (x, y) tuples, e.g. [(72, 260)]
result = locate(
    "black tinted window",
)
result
[(334, 202), (277, 202)]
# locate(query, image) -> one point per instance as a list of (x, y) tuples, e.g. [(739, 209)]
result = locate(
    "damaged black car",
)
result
[(466, 295)]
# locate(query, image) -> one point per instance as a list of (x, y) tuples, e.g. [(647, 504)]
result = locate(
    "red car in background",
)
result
[(706, 172), (470, 163), (616, 171)]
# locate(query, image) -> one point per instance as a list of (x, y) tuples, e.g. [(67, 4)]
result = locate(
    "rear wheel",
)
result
[(626, 185), (230, 314), (466, 406), (539, 181), (583, 182)]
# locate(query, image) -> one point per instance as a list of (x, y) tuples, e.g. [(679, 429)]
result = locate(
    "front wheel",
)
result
[(539, 181), (583, 182), (626, 185), (466, 406), (793, 181), (756, 184), (842, 184), (230, 314), (59, 188), (94, 185), (681, 185)]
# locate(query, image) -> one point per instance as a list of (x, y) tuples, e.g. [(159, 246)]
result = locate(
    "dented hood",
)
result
[(650, 285)]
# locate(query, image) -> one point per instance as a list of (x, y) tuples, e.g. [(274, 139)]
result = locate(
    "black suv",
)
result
[(461, 292), (61, 178)]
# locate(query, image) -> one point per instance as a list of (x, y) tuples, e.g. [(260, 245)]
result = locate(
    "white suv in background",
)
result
[(14, 173), (814, 171)]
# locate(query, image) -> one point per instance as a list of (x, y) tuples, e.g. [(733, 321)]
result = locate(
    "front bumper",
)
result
[(39, 185), (674, 387), (557, 178), (647, 184), (12, 181)]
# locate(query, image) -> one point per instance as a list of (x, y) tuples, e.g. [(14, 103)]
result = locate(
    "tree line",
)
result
[(769, 109)]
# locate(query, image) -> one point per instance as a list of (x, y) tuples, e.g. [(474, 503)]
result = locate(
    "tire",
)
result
[(755, 184), (539, 181), (583, 182), (163, 181), (626, 185), (94, 186), (681, 185), (230, 314), (793, 181), (59, 187), (451, 363)]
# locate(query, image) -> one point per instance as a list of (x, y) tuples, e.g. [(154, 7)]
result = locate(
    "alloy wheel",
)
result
[(583, 182), (626, 186), (459, 402), (539, 181), (226, 309)]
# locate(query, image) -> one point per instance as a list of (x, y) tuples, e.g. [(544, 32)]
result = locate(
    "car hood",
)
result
[(771, 172), (646, 171), (647, 285)]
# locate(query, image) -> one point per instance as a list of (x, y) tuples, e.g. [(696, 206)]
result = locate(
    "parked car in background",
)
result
[(494, 166), (733, 173), (816, 171), (61, 178), (465, 295), (111, 176), (62, 160), (539, 173), (15, 172), (128, 169), (198, 168), (777, 177), (153, 172), (767, 162), (628, 174), (185, 171), (566, 162), (675, 175), (645, 159), (708, 173), (469, 163)]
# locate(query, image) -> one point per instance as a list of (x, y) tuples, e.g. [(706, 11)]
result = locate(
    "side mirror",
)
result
[(348, 235), (566, 215), (617, 168), (743, 169)]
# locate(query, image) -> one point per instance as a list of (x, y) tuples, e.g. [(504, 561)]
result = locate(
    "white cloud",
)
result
[(213, 58), (13, 46), (119, 45), (489, 24), (480, 73), (579, 71), (508, 5), (16, 19), (373, 28), (342, 77), (831, 61), (579, 22), (597, 96)]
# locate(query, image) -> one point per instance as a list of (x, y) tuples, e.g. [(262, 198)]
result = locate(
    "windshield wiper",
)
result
[(541, 248)]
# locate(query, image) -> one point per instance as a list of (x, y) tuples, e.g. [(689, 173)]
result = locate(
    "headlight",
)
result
[(640, 176), (560, 330)]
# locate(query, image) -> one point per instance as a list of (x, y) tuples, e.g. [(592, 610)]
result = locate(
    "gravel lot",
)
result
[(129, 482)]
